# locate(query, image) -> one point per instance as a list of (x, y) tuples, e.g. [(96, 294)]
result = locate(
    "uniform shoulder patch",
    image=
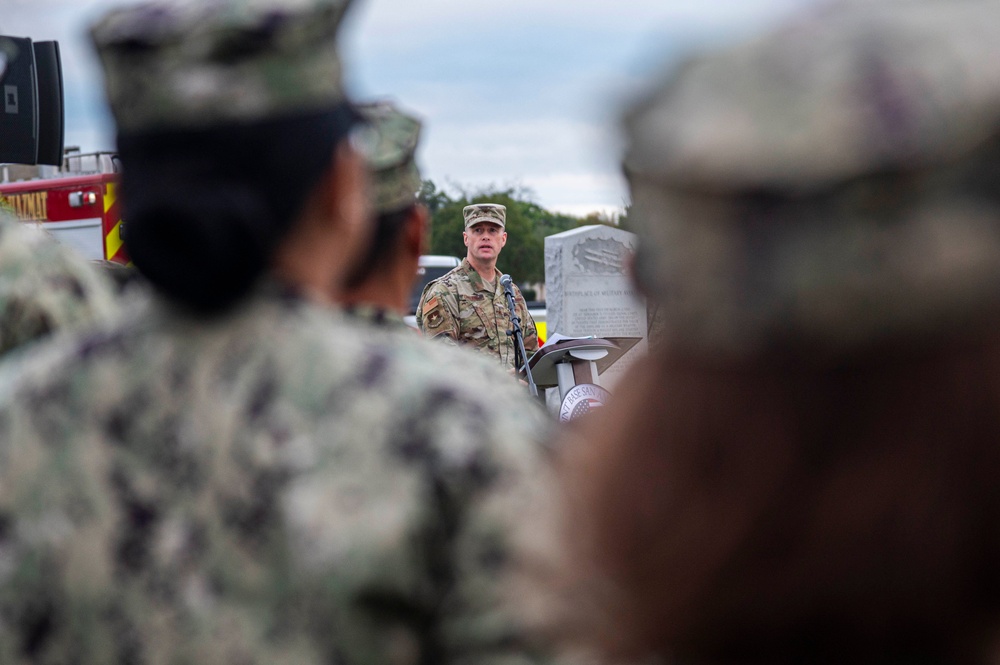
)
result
[(432, 316)]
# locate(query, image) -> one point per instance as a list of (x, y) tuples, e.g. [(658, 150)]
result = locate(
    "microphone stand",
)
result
[(518, 334)]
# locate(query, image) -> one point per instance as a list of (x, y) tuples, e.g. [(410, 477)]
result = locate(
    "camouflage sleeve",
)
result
[(429, 544), (437, 314), (484, 491), (44, 287)]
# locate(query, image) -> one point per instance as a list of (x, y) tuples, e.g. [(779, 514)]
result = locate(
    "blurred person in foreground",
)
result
[(805, 471), (124, 279), (377, 289), (236, 473), (45, 287)]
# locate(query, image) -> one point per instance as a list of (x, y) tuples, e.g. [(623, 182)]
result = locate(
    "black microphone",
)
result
[(507, 285)]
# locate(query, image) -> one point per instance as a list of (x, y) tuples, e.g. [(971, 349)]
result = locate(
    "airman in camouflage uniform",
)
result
[(463, 306), (267, 483), (45, 287)]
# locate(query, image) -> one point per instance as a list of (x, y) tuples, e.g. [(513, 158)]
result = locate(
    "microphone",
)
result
[(507, 285)]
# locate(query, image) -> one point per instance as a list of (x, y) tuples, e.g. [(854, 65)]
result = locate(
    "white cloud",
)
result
[(585, 209), (564, 164), (520, 149), (537, 105), (521, 92), (406, 19)]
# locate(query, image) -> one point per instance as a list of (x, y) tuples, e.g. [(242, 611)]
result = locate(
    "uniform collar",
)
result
[(478, 284)]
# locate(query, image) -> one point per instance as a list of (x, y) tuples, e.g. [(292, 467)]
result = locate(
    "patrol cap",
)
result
[(825, 185), (183, 64), (394, 137), (491, 213)]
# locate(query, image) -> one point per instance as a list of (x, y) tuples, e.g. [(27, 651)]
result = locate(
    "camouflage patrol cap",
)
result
[(395, 137), (491, 213), (825, 185), (195, 63)]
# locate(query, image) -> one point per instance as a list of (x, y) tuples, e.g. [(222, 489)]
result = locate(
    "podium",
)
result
[(572, 364)]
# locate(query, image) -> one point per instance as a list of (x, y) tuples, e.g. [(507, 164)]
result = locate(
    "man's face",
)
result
[(484, 241)]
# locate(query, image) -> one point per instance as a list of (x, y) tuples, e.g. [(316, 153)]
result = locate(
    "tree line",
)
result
[(527, 226)]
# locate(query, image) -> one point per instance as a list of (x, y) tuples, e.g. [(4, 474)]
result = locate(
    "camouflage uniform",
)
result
[(270, 485), (45, 287), (824, 187), (376, 316), (277, 487), (460, 305)]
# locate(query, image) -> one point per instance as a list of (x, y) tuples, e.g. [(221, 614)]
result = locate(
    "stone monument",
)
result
[(587, 290)]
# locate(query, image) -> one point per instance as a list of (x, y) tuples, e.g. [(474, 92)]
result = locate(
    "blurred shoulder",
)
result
[(45, 286), (156, 350), (448, 380), (448, 282)]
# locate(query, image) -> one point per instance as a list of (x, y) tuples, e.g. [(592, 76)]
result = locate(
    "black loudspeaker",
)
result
[(49, 84), (18, 103), (32, 123)]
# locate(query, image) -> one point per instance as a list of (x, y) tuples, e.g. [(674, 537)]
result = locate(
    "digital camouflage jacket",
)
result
[(275, 486), (377, 316), (462, 306), (45, 287)]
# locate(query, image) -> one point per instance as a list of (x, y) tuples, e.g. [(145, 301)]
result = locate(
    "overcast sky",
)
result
[(521, 93)]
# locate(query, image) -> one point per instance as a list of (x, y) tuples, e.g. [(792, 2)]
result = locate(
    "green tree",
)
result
[(431, 197), (623, 219)]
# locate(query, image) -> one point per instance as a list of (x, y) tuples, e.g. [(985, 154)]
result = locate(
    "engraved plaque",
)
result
[(588, 290)]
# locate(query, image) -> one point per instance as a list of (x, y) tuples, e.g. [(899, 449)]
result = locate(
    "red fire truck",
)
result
[(76, 203)]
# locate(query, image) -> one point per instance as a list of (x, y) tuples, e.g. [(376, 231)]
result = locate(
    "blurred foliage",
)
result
[(527, 226)]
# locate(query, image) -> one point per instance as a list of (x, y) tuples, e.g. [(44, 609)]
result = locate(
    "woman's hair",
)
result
[(759, 512), (205, 210)]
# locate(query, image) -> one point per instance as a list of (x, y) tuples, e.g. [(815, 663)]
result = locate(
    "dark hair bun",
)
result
[(205, 210), (205, 247)]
